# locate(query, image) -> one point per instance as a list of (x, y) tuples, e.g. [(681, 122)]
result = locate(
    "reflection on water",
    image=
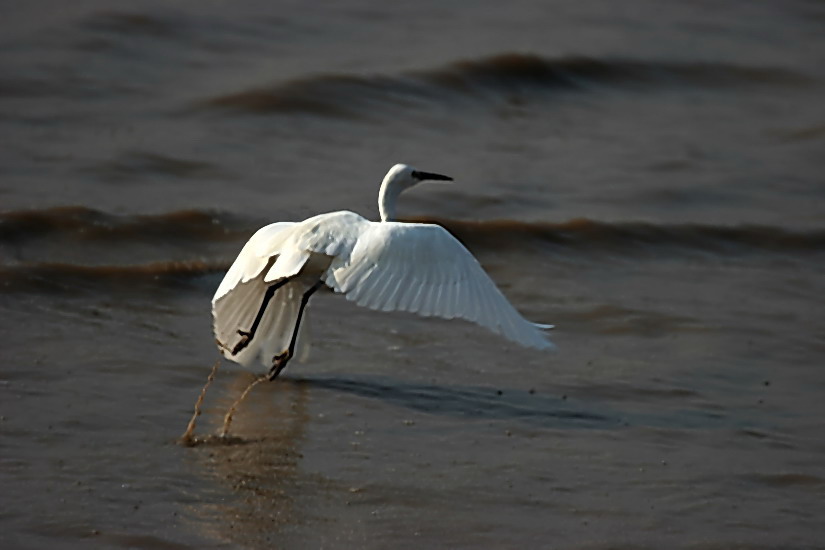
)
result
[(258, 466)]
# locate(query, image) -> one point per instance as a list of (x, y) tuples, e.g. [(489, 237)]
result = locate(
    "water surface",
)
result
[(646, 176)]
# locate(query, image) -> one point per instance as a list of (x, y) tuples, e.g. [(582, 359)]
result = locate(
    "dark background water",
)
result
[(648, 176)]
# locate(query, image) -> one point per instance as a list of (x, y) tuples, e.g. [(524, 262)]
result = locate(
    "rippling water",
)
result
[(646, 176)]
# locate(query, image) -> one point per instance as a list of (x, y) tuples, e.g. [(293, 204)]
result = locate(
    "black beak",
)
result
[(421, 176)]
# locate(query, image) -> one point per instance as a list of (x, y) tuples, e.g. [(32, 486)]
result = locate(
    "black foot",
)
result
[(278, 364), (245, 338)]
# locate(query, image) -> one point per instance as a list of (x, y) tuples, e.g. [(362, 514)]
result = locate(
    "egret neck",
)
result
[(387, 197)]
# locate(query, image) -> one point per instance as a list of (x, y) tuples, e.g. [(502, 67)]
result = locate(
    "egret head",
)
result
[(400, 178), (403, 176)]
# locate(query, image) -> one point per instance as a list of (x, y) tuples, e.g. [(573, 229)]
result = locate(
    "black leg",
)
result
[(247, 337), (279, 361)]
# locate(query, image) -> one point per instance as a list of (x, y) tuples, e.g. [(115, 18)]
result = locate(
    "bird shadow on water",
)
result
[(538, 409), (471, 402)]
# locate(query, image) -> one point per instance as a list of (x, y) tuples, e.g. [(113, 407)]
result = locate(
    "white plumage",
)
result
[(385, 265)]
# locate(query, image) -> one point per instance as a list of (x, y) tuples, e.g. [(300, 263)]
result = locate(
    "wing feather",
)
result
[(368, 290), (486, 314), (254, 257), (378, 299), (428, 299), (412, 293), (272, 253), (469, 293), (423, 269), (416, 294), (437, 292), (236, 311), (392, 302)]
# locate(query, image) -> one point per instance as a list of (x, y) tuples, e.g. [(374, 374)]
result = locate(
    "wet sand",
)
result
[(647, 179)]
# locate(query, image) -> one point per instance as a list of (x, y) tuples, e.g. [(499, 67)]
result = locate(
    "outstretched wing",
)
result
[(240, 294), (423, 269)]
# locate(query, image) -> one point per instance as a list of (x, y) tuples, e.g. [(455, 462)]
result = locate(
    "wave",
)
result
[(47, 277), (90, 224), (575, 240), (579, 236), (135, 24), (347, 95), (584, 237), (504, 69), (134, 165)]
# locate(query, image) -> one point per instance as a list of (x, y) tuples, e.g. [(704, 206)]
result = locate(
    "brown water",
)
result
[(648, 176)]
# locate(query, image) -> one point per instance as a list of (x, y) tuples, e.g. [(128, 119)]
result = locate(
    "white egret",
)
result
[(386, 265)]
